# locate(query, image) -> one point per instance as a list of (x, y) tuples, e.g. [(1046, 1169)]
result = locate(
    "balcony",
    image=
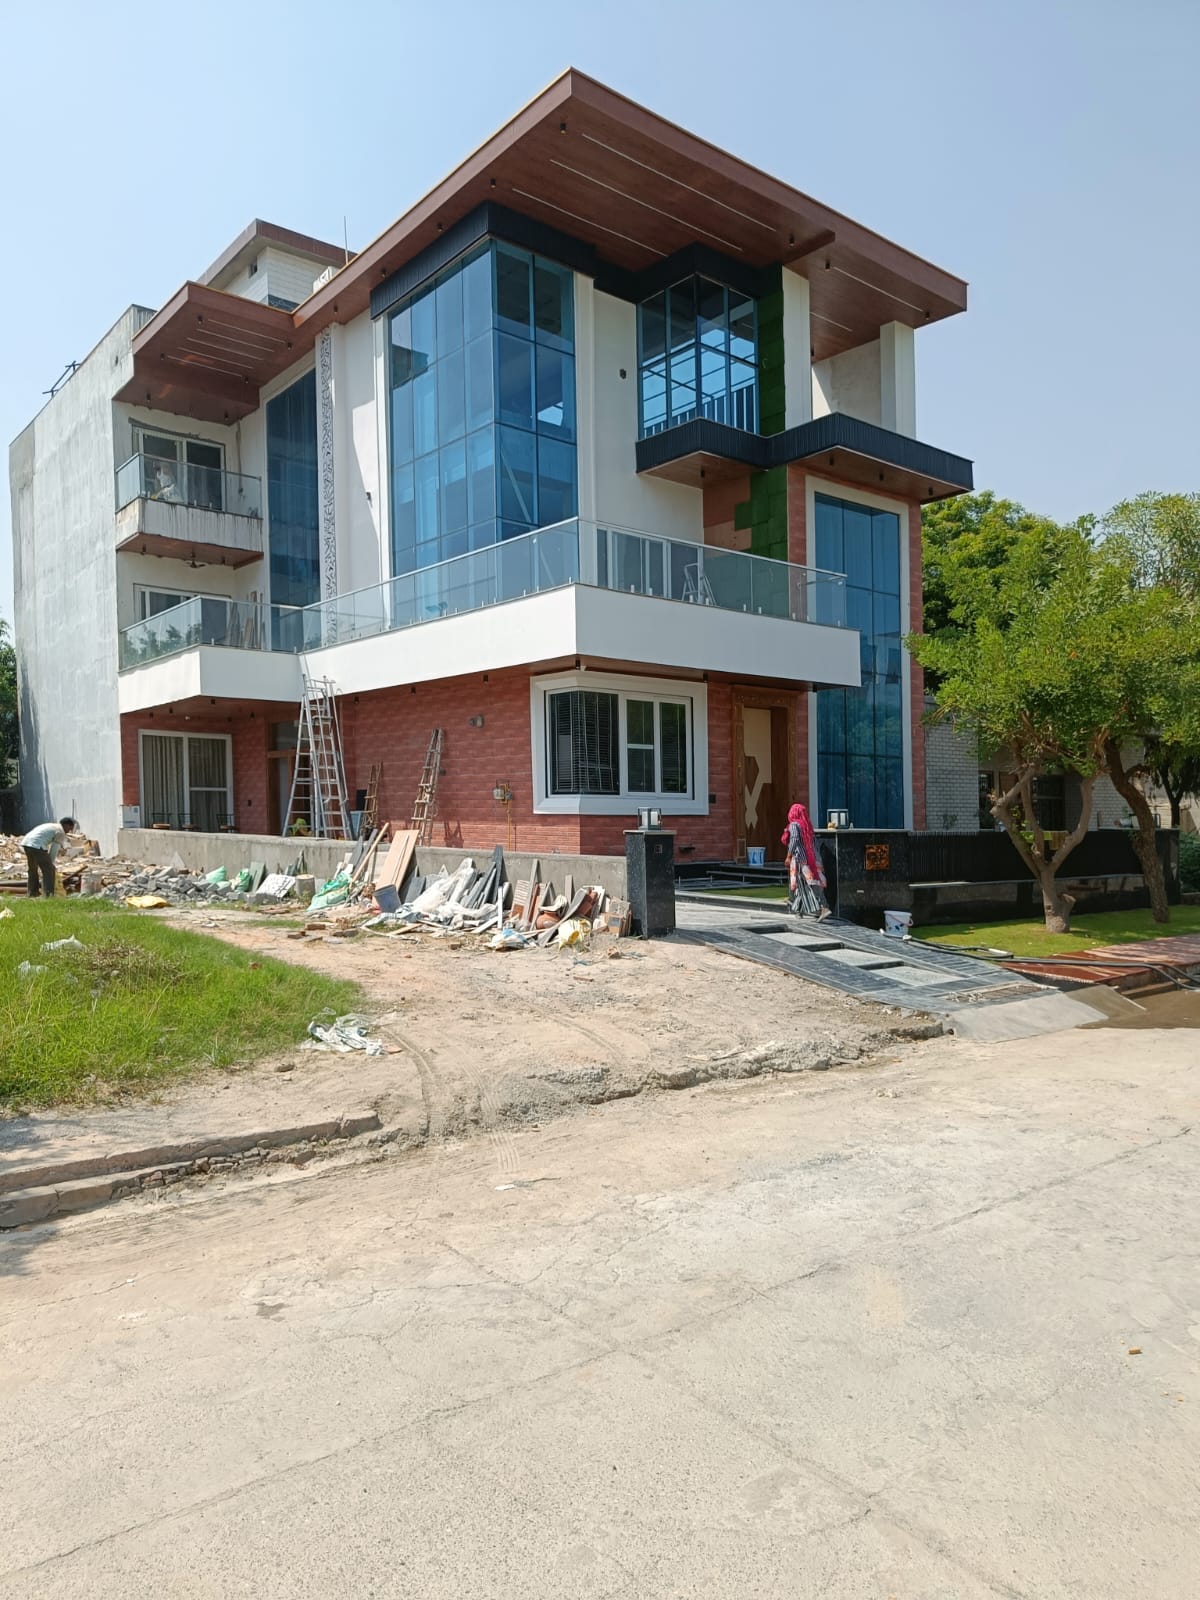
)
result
[(706, 450), (574, 589), (174, 508)]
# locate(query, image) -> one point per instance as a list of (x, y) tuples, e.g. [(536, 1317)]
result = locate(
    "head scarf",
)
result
[(798, 815)]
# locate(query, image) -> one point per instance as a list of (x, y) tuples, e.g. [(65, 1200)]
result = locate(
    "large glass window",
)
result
[(860, 732), (618, 743), (292, 504), (697, 356), (482, 393), (186, 781)]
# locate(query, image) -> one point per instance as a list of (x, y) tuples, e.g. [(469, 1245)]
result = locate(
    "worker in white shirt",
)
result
[(41, 845)]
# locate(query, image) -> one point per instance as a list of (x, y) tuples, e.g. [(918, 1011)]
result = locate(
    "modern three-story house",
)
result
[(602, 459)]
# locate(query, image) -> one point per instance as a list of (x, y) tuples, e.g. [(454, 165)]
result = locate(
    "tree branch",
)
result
[(1086, 786)]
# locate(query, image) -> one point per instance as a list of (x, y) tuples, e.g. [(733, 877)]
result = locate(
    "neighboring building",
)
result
[(602, 459)]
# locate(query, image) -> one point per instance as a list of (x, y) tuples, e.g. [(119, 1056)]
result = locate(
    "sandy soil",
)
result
[(514, 1036)]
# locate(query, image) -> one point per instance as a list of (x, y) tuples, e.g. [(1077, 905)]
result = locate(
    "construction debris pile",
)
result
[(474, 899)]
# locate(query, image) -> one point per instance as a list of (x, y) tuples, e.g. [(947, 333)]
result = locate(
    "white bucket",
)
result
[(897, 924), (756, 855)]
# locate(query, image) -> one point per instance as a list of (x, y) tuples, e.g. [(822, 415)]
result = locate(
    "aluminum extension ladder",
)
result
[(319, 781), (425, 805)]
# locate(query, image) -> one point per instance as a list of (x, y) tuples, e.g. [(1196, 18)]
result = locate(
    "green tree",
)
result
[(9, 728), (1160, 534), (1055, 651), (1176, 770), (972, 536)]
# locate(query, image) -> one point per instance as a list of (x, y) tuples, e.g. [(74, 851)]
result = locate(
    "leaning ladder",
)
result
[(319, 781), (425, 805)]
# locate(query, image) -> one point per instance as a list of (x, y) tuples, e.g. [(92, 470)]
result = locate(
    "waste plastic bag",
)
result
[(218, 876), (343, 1035), (146, 902)]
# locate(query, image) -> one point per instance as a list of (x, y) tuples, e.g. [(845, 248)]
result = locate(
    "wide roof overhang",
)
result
[(584, 161)]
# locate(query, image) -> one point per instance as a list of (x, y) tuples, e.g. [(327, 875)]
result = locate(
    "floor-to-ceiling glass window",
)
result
[(292, 504), (482, 394), (697, 356), (860, 732)]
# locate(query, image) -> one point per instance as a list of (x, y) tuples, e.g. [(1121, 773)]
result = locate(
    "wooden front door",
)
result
[(766, 774)]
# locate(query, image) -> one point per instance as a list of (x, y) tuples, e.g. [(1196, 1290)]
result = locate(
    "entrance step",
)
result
[(866, 960), (804, 941)]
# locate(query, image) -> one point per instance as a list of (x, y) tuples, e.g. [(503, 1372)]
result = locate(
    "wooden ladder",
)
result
[(370, 816), (319, 782), (425, 805)]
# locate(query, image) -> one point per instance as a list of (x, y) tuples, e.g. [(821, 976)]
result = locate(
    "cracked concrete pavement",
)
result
[(863, 1334)]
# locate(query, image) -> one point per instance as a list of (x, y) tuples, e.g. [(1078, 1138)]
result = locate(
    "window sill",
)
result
[(618, 805)]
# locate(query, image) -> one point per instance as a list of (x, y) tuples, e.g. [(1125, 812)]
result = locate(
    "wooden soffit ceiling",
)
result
[(591, 163), (207, 354)]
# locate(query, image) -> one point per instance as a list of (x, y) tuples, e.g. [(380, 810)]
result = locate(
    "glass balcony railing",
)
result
[(582, 552), (569, 552), (236, 624), (182, 483)]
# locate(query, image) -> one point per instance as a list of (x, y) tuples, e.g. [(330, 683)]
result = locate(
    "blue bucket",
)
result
[(756, 855), (387, 897)]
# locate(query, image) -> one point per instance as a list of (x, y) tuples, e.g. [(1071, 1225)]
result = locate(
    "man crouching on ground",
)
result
[(41, 845)]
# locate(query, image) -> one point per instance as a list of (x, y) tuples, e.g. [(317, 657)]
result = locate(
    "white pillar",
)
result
[(898, 378), (797, 350)]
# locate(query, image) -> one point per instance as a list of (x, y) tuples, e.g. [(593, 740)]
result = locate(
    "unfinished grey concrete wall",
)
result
[(64, 577), (205, 852), (951, 779)]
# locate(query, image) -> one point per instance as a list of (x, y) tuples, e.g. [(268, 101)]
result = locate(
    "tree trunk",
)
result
[(1057, 904), (1145, 844)]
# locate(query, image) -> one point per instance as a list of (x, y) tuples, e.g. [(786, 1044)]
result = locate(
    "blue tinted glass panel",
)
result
[(885, 534), (514, 290), (477, 296), (478, 358), (293, 519), (697, 355), (866, 545), (829, 535), (555, 393), (402, 423), (517, 477), (423, 341), (856, 529), (556, 481), (427, 497), (553, 305), (514, 381), (481, 477), (481, 366), (452, 420), (861, 791), (449, 298), (831, 720), (453, 463), (425, 413), (743, 328)]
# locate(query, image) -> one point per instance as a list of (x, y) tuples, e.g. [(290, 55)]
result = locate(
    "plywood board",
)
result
[(399, 857)]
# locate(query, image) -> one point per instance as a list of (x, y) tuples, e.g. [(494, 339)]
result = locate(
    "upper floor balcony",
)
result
[(573, 590), (169, 507)]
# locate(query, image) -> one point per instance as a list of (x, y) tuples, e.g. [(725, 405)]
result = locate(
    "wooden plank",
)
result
[(399, 856)]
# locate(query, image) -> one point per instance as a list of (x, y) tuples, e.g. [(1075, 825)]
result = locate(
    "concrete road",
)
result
[(863, 1334)]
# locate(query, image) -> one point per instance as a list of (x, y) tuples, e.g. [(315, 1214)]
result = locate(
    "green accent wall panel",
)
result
[(772, 410)]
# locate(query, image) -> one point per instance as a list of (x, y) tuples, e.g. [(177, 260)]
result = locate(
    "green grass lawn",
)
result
[(141, 1004), (1029, 938)]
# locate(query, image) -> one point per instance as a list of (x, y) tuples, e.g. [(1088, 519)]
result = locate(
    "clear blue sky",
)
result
[(1047, 151)]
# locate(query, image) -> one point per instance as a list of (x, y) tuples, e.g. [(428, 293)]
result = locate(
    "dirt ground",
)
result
[(513, 1036)]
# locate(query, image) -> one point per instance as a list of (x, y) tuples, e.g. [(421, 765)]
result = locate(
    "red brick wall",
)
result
[(797, 508), (250, 740)]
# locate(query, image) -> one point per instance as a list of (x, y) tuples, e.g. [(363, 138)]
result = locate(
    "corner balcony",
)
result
[(569, 591), (173, 508), (210, 649)]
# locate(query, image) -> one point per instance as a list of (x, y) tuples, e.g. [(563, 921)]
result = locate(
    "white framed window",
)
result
[(190, 471), (186, 780), (148, 601), (606, 745)]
